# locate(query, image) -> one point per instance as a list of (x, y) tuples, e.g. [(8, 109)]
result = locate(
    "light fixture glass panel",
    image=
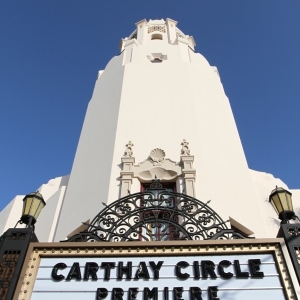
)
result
[(275, 208), (34, 206), (26, 205), (289, 202), (39, 209), (283, 199), (277, 204), (33, 203)]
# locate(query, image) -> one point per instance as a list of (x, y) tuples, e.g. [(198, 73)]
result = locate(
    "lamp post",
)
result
[(14, 244), (281, 201), (33, 204)]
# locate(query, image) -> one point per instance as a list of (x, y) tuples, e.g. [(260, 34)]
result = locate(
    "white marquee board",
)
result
[(165, 274)]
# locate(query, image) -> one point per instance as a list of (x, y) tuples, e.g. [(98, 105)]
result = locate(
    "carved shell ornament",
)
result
[(157, 156)]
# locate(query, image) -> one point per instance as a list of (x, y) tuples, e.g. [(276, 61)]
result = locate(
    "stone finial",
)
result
[(128, 151), (185, 148), (99, 74)]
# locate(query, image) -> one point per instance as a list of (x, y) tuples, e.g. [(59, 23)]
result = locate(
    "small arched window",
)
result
[(156, 36)]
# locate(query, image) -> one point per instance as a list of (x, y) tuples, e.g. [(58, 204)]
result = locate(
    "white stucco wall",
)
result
[(10, 215), (157, 105), (91, 171)]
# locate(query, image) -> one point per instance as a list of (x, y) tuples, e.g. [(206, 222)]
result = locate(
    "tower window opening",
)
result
[(156, 206), (160, 192), (156, 36), (156, 60)]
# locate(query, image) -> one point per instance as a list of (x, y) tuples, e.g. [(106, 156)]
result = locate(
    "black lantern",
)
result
[(33, 203), (281, 200)]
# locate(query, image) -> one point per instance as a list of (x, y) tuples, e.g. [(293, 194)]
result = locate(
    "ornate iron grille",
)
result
[(7, 269), (156, 214), (291, 235)]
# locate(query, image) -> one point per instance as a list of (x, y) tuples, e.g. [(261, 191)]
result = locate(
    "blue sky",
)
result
[(51, 51)]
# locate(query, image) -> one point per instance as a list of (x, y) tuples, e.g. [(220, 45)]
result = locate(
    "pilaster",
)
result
[(171, 25), (127, 172), (188, 173), (141, 28), (128, 47)]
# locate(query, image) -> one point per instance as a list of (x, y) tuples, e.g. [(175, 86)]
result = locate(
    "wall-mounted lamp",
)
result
[(281, 201), (33, 203)]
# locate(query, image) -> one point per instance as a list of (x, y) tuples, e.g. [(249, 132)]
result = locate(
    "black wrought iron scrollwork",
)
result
[(156, 214)]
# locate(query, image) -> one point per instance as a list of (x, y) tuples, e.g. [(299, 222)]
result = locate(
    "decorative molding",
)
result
[(185, 148), (157, 156), (157, 165), (159, 28), (146, 171), (128, 150), (126, 174), (156, 184)]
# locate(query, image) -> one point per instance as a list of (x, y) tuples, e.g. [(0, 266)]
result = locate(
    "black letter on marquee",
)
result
[(55, 269), (208, 267), (91, 268), (196, 270), (222, 264), (101, 293), (238, 272), (124, 269), (213, 293), (132, 292), (181, 264), (156, 268), (166, 293), (151, 294), (142, 271), (254, 268), (107, 266), (117, 294), (74, 272), (177, 291), (195, 293)]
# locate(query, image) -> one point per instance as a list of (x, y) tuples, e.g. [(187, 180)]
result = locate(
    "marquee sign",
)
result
[(186, 270)]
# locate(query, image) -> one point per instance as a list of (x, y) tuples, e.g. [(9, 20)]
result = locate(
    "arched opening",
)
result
[(156, 36)]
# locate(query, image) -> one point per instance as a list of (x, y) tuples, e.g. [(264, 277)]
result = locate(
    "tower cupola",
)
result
[(157, 31)]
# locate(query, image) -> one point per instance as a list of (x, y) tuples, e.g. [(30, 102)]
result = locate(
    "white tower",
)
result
[(158, 109), (157, 93)]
